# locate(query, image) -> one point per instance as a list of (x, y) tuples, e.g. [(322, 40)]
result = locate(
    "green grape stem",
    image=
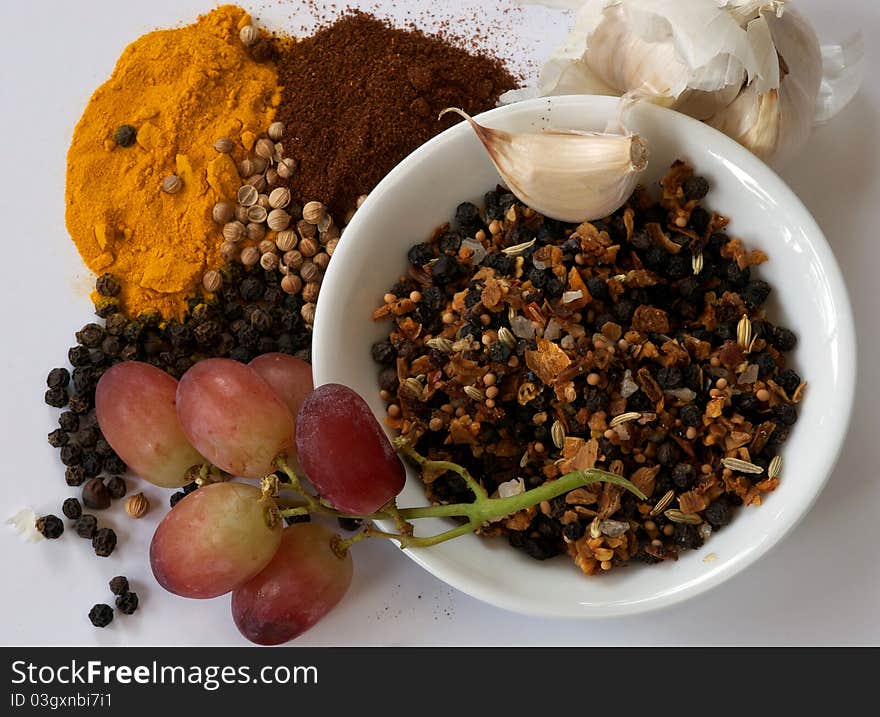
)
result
[(482, 510)]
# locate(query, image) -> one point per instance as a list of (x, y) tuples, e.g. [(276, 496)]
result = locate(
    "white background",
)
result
[(821, 586)]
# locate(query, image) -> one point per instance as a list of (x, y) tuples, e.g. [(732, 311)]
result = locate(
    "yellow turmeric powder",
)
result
[(181, 89)]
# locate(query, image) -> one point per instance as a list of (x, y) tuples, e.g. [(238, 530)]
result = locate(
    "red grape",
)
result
[(304, 581), (233, 417), (214, 540), (344, 451), (136, 410), (289, 377)]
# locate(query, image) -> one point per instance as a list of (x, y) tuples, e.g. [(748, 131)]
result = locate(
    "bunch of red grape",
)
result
[(249, 421)]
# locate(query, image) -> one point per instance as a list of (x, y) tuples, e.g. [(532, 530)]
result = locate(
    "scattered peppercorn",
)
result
[(104, 542), (125, 135), (74, 476), (116, 487), (107, 285), (95, 494), (101, 615), (58, 378), (72, 509), (127, 603), (119, 585), (58, 438), (56, 397), (86, 526), (50, 526)]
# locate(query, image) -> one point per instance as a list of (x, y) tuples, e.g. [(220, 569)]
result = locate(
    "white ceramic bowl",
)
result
[(808, 295)]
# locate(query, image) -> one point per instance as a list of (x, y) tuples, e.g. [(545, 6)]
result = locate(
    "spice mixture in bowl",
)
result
[(648, 344)]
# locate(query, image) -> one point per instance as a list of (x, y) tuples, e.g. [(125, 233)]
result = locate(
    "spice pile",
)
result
[(523, 348), (360, 95)]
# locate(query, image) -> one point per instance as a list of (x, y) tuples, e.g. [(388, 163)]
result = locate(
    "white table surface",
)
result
[(820, 586)]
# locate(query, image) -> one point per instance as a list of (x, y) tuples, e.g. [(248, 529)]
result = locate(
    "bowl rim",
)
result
[(773, 184)]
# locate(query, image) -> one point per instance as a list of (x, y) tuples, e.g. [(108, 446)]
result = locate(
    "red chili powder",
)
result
[(360, 95)]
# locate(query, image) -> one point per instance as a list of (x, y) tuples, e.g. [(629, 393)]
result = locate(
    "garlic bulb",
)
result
[(566, 175), (776, 124), (751, 68)]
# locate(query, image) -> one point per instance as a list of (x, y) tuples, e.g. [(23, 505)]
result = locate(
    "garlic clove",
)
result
[(570, 176)]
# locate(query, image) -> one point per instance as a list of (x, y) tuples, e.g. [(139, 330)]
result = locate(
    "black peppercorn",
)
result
[(95, 494), (86, 526), (684, 476), (383, 352), (79, 356), (101, 615), (68, 421), (668, 453), (786, 414), (80, 404), (71, 454), (58, 438), (91, 463), (686, 537), (119, 585), (125, 135), (114, 464), (107, 285), (116, 487), (58, 378), (127, 603), (691, 415), (102, 448), (74, 475), (90, 336), (72, 509), (104, 542), (788, 381), (573, 530), (719, 513), (50, 526), (56, 397)]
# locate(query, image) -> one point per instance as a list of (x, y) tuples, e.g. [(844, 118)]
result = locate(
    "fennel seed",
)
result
[(697, 263), (744, 333), (474, 393), (735, 464), (663, 503), (624, 418), (557, 433), (676, 516), (775, 467), (519, 248)]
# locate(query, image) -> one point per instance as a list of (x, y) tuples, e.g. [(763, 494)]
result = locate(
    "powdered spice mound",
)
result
[(360, 95), (171, 95)]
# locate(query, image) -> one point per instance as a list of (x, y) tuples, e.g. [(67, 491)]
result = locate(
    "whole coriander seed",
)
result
[(286, 168), (247, 195), (279, 198), (310, 294), (311, 272), (223, 212), (322, 260), (249, 35), (234, 231), (293, 260), (256, 231), (308, 313), (278, 220), (275, 131), (257, 214), (224, 145), (269, 261), (286, 240), (264, 148), (308, 247), (137, 505), (292, 284), (313, 212), (172, 184), (250, 256), (229, 250), (212, 281), (241, 214)]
